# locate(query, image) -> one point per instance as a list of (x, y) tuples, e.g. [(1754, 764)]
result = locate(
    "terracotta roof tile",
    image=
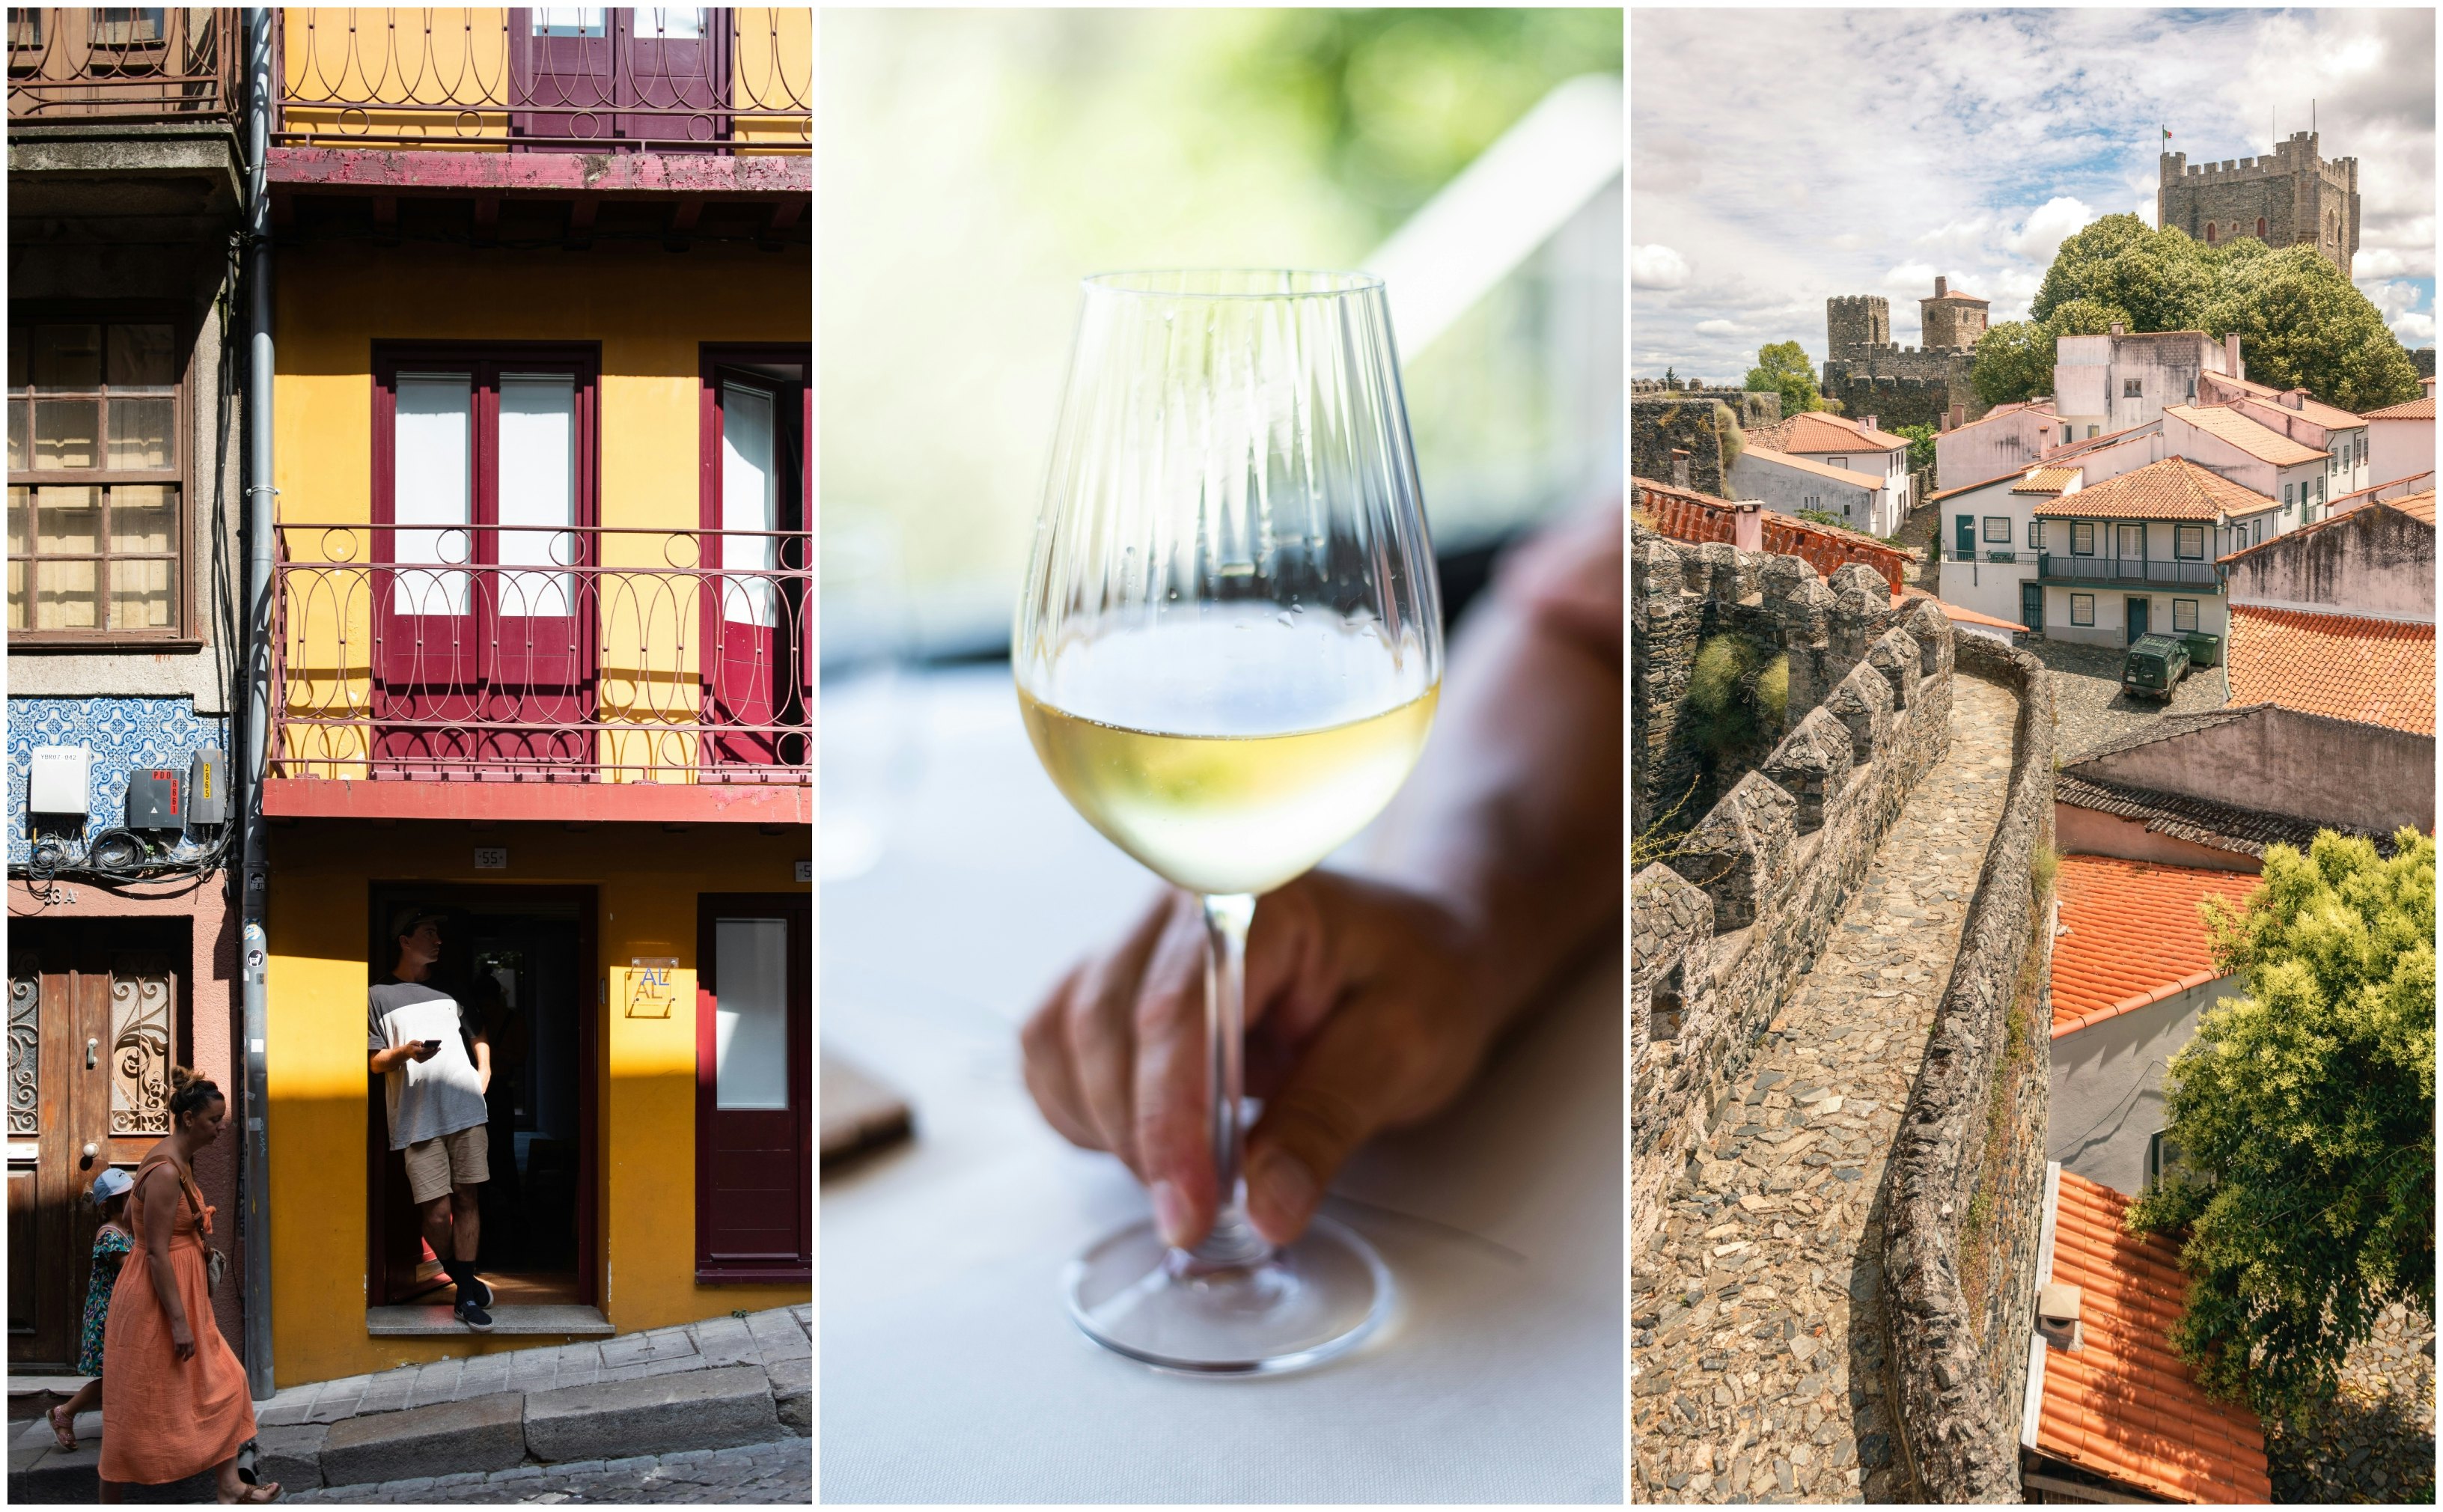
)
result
[(2199, 820), (2097, 443), (2416, 506), (2174, 488), (2047, 480), (2122, 1405), (2257, 439), (1849, 475), (2135, 937), (2374, 671), (1954, 295), (2410, 504), (1954, 612), (1971, 488), (1816, 432), (2420, 409), (2331, 416)]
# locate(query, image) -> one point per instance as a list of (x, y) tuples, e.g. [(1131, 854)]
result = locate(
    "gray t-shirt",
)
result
[(428, 1098)]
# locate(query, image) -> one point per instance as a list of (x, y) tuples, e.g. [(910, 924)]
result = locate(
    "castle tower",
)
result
[(1855, 322), (1952, 318), (2292, 198)]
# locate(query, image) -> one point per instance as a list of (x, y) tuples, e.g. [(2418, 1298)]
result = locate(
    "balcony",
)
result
[(530, 672), (75, 65), (2054, 566), (726, 82)]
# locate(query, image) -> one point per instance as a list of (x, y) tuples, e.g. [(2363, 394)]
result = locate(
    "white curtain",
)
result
[(750, 500), (432, 491), (538, 488), (751, 1030)]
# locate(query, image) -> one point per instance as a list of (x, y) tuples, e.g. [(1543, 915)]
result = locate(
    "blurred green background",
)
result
[(976, 163)]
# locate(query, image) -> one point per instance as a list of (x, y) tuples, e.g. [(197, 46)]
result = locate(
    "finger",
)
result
[(1101, 1039), (1330, 1104), (1171, 1094), (1288, 987), (1045, 1060)]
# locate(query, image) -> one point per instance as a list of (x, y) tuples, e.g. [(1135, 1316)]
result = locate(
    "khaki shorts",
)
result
[(460, 1159)]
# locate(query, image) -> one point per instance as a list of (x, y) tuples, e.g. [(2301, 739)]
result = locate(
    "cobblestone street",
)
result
[(1757, 1342), (2376, 1441), (759, 1473), (2093, 710)]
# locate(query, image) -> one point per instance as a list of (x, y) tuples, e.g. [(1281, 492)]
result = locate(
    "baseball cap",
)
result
[(110, 1183)]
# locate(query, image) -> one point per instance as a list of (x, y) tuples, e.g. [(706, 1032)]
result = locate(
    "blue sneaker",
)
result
[(473, 1314)]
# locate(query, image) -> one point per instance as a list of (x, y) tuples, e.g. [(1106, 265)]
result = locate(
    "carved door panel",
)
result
[(96, 1026)]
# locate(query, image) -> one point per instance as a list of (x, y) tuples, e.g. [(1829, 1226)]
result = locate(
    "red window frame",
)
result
[(712, 1262), (723, 660)]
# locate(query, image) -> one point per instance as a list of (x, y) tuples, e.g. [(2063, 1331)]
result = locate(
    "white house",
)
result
[(1990, 538), (2336, 432), (2136, 553), (2400, 440), (1875, 503), (2254, 456), (2112, 382), (2009, 438)]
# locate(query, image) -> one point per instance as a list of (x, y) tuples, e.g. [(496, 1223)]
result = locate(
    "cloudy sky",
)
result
[(1780, 156)]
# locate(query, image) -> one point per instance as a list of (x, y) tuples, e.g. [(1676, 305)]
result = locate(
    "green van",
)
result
[(2155, 666)]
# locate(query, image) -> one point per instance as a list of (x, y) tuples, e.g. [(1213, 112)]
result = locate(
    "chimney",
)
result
[(2117, 330), (1959, 416), (2428, 384), (1747, 525), (1868, 423), (2057, 1310), (1941, 286), (1678, 467), (2233, 366), (2295, 400)]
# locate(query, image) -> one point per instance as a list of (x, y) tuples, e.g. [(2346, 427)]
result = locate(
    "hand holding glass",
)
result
[(1227, 653)]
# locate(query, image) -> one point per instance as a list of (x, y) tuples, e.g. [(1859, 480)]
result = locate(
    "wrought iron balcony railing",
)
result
[(542, 654), (570, 78), (2054, 566), (122, 63)]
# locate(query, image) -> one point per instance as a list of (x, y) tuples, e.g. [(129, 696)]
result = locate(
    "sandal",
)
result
[(256, 1495), (66, 1433)]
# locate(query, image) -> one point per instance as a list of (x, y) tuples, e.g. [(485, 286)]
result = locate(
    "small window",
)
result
[(2320, 491), (2260, 228), (2184, 613), (569, 21), (2082, 608), (2162, 1158), (2081, 538), (2035, 535), (2189, 540), (2129, 389), (2286, 497), (2090, 433), (1997, 529), (2064, 435), (2256, 532)]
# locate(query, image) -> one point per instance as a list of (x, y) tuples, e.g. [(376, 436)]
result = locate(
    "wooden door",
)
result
[(754, 1134), (92, 1025), (673, 68), (565, 79), (756, 500)]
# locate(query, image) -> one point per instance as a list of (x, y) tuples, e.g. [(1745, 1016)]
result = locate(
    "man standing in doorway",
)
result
[(437, 1104)]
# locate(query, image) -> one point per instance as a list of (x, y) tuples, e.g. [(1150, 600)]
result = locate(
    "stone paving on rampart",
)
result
[(1757, 1338)]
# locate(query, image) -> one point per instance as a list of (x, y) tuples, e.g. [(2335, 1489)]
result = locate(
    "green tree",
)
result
[(2302, 324), (2014, 361), (2160, 279), (1782, 368), (2304, 1114), (1920, 440)]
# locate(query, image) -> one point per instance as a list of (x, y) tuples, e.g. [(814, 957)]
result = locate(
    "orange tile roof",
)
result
[(2375, 672), (2047, 480), (1849, 475), (2331, 416), (2413, 410), (1816, 432), (2174, 488), (2416, 506), (1971, 488), (2135, 937), (2122, 1405), (2258, 440), (1953, 611), (1955, 294), (2098, 443)]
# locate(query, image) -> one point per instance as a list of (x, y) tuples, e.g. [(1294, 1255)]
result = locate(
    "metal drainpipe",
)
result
[(256, 1169)]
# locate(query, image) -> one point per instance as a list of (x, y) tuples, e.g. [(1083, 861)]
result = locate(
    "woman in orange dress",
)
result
[(178, 1402)]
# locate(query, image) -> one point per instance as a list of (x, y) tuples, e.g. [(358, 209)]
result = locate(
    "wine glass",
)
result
[(1228, 652)]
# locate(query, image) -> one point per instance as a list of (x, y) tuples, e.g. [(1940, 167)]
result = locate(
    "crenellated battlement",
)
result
[(1738, 906)]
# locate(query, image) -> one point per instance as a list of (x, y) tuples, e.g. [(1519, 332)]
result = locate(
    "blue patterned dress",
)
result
[(110, 1249)]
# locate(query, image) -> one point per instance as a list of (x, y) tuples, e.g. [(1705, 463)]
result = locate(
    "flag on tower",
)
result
[(2167, 134)]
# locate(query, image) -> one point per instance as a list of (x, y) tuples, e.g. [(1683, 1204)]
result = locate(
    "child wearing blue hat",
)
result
[(111, 1245)]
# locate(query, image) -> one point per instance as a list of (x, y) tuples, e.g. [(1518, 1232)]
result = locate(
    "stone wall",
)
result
[(2422, 359), (2301, 197), (1754, 407), (1902, 385), (1967, 1170), (1660, 423), (1723, 926)]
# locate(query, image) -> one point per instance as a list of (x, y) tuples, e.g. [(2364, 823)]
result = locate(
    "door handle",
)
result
[(90, 1150), (91, 1048)]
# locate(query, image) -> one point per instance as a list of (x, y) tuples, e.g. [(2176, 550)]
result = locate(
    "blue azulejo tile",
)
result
[(125, 735)]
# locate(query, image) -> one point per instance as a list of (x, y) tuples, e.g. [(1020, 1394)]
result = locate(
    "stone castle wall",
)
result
[(1722, 927), (1900, 385), (2302, 198), (1661, 422), (1755, 408), (1965, 1205)]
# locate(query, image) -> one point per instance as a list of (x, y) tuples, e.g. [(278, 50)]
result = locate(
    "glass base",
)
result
[(1134, 1293)]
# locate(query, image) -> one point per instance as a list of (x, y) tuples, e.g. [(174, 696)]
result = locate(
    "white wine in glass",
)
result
[(1227, 653)]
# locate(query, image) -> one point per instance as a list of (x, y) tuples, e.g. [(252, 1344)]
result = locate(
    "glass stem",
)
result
[(1231, 1241)]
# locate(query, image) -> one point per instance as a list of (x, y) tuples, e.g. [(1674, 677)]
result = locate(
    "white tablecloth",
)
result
[(950, 1371)]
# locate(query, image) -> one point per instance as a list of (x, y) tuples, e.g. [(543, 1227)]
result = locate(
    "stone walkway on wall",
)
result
[(2374, 1442), (1757, 1341)]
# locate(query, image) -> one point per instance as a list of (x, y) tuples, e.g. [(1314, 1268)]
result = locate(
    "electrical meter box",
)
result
[(60, 780), (153, 799), (208, 789)]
